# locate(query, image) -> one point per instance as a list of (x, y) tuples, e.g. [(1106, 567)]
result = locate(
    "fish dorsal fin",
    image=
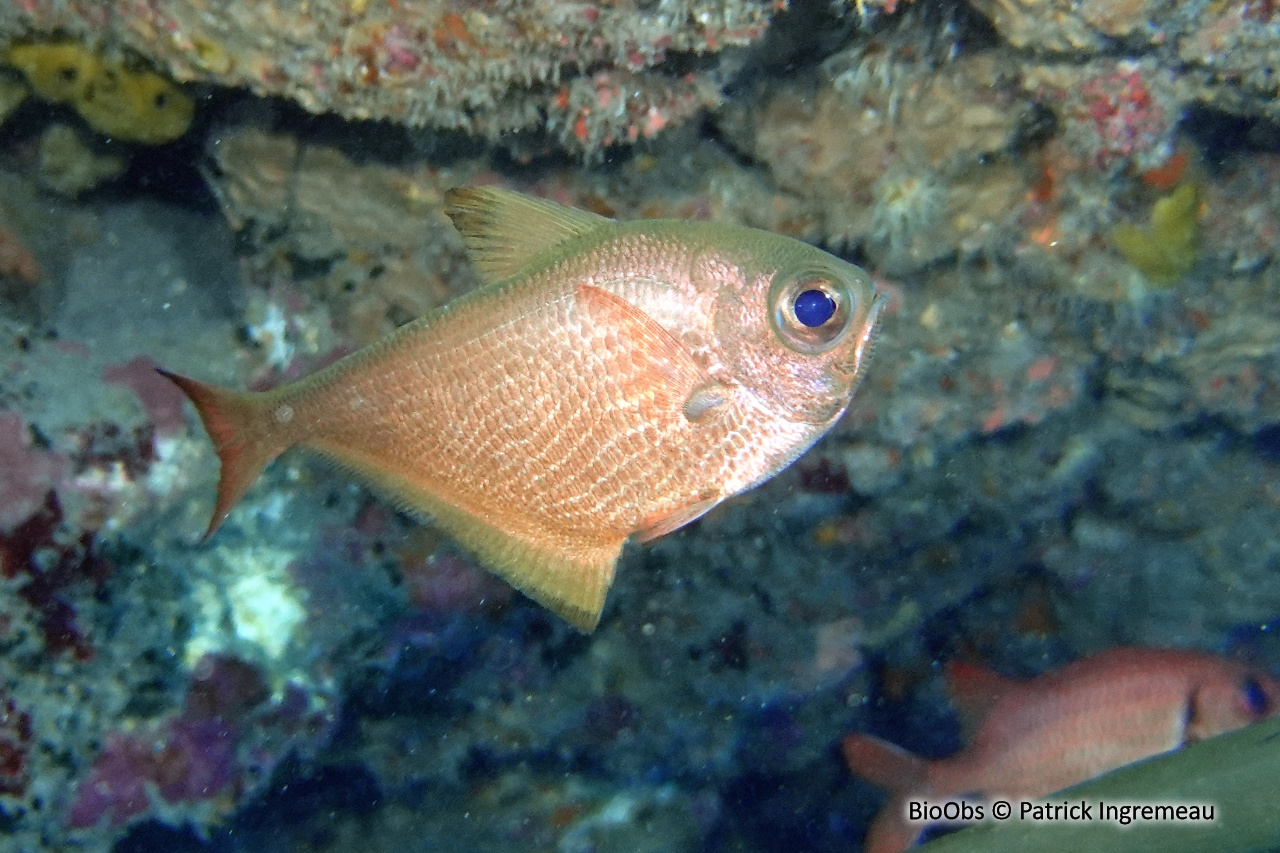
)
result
[(505, 231), (975, 690)]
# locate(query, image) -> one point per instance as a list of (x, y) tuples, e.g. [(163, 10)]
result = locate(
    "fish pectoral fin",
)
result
[(706, 399), (505, 231), (674, 521), (649, 361)]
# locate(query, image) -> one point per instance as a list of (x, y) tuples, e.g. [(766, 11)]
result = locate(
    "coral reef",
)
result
[(372, 235), (1067, 440), (1059, 25), (904, 165), (596, 71)]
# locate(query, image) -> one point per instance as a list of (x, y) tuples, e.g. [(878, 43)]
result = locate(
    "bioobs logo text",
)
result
[(951, 811), (1071, 811)]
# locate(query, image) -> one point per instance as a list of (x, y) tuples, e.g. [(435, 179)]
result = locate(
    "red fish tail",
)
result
[(244, 434), (900, 773)]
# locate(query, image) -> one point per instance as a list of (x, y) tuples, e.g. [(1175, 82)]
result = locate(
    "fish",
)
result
[(608, 380), (1032, 738)]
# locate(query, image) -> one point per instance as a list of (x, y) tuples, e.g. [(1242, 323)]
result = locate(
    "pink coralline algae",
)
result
[(27, 473), (15, 743), (117, 787), (199, 761), (1125, 120), (446, 583), (159, 398), (224, 688), (52, 565), (614, 106), (191, 758)]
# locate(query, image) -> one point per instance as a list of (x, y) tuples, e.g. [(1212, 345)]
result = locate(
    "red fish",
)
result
[(1034, 737)]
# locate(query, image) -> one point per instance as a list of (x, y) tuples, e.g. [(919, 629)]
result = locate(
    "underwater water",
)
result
[(1067, 439)]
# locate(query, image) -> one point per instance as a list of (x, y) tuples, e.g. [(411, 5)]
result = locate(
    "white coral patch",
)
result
[(246, 598), (273, 334), (266, 612)]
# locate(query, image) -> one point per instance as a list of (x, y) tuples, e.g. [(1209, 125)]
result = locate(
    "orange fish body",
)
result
[(1039, 736), (612, 379)]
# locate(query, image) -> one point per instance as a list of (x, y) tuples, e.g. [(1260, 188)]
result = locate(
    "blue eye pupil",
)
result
[(814, 307)]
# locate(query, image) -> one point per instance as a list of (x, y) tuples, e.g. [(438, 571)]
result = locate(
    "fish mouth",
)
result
[(865, 343)]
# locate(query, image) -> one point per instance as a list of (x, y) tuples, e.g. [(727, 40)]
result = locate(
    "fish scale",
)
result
[(613, 379)]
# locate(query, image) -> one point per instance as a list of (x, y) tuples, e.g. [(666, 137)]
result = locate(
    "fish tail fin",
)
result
[(244, 434), (899, 772)]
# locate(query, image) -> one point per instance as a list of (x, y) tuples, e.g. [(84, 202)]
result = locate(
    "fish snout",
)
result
[(851, 368)]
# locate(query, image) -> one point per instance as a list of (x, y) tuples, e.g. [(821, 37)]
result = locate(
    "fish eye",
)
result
[(814, 307), (1254, 697), (811, 311)]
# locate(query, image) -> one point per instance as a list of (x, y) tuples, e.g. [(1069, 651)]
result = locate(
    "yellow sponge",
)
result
[(1166, 248), (120, 101)]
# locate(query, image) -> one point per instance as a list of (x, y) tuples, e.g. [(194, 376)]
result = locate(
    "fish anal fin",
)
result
[(975, 690), (570, 579), (567, 572), (648, 360), (505, 231), (674, 521), (244, 434), (884, 764)]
